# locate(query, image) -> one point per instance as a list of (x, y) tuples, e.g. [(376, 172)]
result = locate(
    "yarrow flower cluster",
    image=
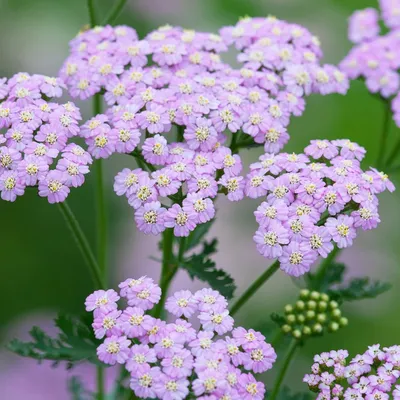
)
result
[(174, 80), (311, 315), (35, 134), (314, 201), (170, 360), (372, 375), (374, 57)]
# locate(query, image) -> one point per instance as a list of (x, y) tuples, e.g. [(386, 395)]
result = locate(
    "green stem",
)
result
[(166, 273), (100, 383), (385, 133), (83, 244), (92, 13), (254, 287), (281, 375), (319, 275), (393, 154), (119, 5)]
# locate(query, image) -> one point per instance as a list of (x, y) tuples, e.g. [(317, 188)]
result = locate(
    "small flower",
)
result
[(114, 350)]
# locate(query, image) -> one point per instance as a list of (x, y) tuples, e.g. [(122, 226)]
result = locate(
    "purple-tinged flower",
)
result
[(270, 239), (107, 324), (11, 185), (145, 192), (320, 240), (178, 365), (53, 186), (364, 25), (166, 184), (149, 295), (266, 213), (235, 186), (102, 301), (155, 119), (140, 357), (149, 218), (260, 358), (209, 300), (220, 322), (182, 222), (342, 230), (297, 258), (143, 384), (31, 169), (127, 139), (155, 150), (202, 207), (321, 149), (200, 134), (127, 181), (131, 322), (74, 173), (249, 388), (115, 349), (182, 303)]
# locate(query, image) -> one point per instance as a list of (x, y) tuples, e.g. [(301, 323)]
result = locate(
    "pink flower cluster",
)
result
[(313, 201), (174, 80), (35, 133), (376, 58), (170, 360), (371, 376)]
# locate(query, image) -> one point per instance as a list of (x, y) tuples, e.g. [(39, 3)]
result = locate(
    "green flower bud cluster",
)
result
[(312, 315)]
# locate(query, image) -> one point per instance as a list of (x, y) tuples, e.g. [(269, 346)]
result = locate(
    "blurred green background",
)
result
[(41, 268)]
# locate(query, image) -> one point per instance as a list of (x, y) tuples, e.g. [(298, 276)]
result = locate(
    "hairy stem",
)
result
[(83, 244), (385, 133), (115, 11), (92, 13), (282, 372), (167, 269), (254, 287)]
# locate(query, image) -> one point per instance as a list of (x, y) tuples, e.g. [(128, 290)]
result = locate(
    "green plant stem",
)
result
[(385, 133), (92, 13), (83, 244), (393, 154), (115, 11), (167, 269), (254, 287), (100, 383), (282, 372), (321, 271)]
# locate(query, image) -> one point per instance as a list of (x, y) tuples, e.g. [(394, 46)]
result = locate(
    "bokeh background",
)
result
[(42, 271)]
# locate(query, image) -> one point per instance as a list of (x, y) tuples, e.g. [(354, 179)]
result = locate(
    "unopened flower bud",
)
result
[(301, 318), (296, 333), (286, 328), (321, 318), (324, 297), (317, 328), (334, 326), (311, 305), (310, 314), (343, 321), (315, 295), (291, 319), (307, 330), (288, 309), (300, 305), (304, 294), (322, 305), (336, 313), (333, 304)]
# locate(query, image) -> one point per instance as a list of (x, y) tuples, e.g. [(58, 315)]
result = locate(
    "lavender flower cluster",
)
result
[(375, 58), (169, 360), (35, 134), (175, 78), (313, 201), (311, 315), (372, 375)]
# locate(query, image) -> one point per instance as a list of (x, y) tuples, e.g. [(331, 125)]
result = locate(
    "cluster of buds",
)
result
[(312, 315)]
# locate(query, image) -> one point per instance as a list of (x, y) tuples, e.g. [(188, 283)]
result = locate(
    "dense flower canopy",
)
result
[(169, 360), (313, 201), (35, 134), (372, 375)]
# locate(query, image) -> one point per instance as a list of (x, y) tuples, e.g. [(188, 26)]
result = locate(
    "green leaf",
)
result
[(201, 266), (77, 390), (334, 274), (286, 394), (197, 235), (75, 343), (360, 288), (278, 319)]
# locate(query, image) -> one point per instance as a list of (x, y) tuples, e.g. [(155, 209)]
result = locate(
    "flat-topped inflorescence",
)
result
[(35, 134), (169, 360), (313, 201), (373, 375)]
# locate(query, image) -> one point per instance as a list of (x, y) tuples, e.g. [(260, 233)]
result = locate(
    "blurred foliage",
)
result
[(41, 266)]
